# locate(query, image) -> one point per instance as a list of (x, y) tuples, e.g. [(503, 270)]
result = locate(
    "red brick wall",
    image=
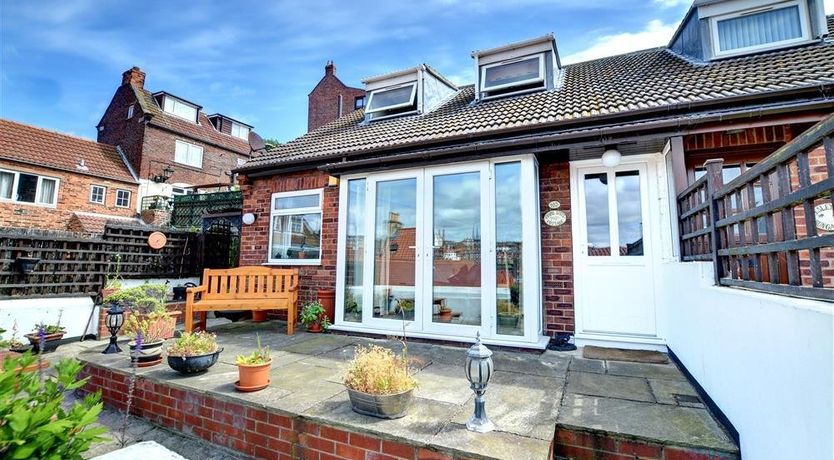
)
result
[(254, 243), (323, 102), (73, 195), (557, 250), (582, 445), (248, 430), (121, 131)]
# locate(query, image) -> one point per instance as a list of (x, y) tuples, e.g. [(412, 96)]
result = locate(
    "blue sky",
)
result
[(257, 60)]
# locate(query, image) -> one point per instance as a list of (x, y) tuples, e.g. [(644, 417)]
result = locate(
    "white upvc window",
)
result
[(295, 228), (21, 187), (189, 154), (179, 108), (122, 198), (98, 194), (513, 73), (240, 131), (759, 29), (396, 97)]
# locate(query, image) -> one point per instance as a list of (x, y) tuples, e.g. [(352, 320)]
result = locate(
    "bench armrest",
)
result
[(194, 290), (293, 287)]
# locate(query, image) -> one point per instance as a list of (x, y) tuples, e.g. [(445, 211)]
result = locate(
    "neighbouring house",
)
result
[(330, 99), (544, 199), (50, 180), (172, 144)]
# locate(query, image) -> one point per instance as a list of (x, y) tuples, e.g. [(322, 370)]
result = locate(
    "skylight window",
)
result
[(392, 98), (769, 27), (180, 109), (511, 74)]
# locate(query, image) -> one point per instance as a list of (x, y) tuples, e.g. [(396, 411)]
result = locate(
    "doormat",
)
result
[(619, 354)]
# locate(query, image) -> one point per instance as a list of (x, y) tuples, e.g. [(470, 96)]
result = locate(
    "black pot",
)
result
[(233, 315), (179, 291), (150, 351), (193, 364)]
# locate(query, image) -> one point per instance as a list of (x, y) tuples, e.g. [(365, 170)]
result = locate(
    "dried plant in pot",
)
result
[(153, 327), (148, 302), (379, 382), (314, 317), (46, 337), (193, 352), (253, 369)]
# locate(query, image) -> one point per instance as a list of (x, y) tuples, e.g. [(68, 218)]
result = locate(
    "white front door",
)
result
[(613, 250)]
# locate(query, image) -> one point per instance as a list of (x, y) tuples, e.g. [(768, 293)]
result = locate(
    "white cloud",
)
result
[(829, 6), (656, 33), (671, 3)]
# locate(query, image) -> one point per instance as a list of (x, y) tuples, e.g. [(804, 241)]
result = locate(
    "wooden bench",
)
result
[(244, 288)]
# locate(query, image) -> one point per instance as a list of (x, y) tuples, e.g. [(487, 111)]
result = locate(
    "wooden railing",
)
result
[(761, 228)]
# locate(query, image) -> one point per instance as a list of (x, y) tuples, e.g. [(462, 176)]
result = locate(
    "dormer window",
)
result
[(180, 109), (768, 27), (240, 131), (515, 74), (389, 99), (518, 68)]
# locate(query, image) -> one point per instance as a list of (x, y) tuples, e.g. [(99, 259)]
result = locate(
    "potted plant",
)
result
[(327, 299), (314, 317), (50, 334), (193, 352), (507, 314), (154, 327), (379, 382), (445, 314), (253, 369), (259, 316), (147, 300), (17, 345)]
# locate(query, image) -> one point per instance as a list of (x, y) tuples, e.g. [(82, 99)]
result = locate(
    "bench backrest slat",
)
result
[(248, 282)]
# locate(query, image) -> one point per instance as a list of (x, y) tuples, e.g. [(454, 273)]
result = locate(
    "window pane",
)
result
[(6, 184), (629, 213), (395, 241), (760, 28), (456, 254), (354, 250), (296, 237), (298, 201), (508, 249), (181, 155), (47, 191), (97, 194), (390, 97), (596, 208), (524, 70), (123, 198), (27, 186)]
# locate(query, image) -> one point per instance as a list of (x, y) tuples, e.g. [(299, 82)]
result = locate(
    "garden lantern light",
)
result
[(478, 371), (114, 320)]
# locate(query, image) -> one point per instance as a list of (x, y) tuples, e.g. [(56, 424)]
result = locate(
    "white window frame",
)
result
[(174, 103), (188, 154), (410, 101), (804, 23), (294, 212), (240, 127), (130, 111), (129, 196), (540, 78), (103, 194), (16, 182)]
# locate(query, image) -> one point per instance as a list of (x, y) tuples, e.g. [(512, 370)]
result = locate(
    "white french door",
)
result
[(444, 251), (613, 249)]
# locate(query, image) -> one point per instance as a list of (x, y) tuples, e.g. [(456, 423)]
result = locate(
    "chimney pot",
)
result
[(134, 76), (330, 68)]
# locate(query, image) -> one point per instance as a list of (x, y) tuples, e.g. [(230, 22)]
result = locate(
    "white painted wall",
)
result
[(29, 312), (172, 282), (767, 361)]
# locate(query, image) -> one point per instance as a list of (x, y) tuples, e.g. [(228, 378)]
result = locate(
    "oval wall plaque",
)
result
[(157, 240), (824, 217), (554, 205), (555, 218)]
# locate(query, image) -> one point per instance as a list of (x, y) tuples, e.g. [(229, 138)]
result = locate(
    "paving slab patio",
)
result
[(530, 394)]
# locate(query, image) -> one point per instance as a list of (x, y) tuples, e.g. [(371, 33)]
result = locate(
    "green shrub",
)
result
[(34, 422), (313, 313), (193, 344), (145, 298)]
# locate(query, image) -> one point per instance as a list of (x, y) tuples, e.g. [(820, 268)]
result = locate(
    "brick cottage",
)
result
[(541, 199), (54, 181)]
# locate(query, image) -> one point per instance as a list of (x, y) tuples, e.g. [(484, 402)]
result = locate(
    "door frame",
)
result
[(654, 173), (531, 255)]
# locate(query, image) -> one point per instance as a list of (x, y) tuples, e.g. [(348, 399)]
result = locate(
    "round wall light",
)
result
[(611, 158), (248, 218)]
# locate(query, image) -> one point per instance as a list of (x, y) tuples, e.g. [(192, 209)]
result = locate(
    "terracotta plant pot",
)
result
[(4, 355), (253, 377), (107, 292), (327, 299), (445, 316), (315, 328), (259, 316)]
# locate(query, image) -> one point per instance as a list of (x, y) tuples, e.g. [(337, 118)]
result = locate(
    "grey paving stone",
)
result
[(649, 371), (587, 365), (613, 386), (529, 363), (444, 383), (665, 391), (320, 344), (657, 422), (494, 445)]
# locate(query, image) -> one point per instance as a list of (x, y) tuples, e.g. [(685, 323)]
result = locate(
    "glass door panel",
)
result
[(508, 250), (354, 299), (456, 248), (395, 249)]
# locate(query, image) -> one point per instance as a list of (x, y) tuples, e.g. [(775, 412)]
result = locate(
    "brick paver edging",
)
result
[(575, 444), (250, 430)]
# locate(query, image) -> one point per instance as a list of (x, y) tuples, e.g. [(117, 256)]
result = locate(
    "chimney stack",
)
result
[(330, 68), (134, 76)]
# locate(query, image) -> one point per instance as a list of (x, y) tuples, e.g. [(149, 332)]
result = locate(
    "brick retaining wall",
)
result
[(583, 445)]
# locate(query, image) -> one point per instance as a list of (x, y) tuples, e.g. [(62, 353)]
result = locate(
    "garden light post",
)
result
[(114, 320), (478, 371)]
